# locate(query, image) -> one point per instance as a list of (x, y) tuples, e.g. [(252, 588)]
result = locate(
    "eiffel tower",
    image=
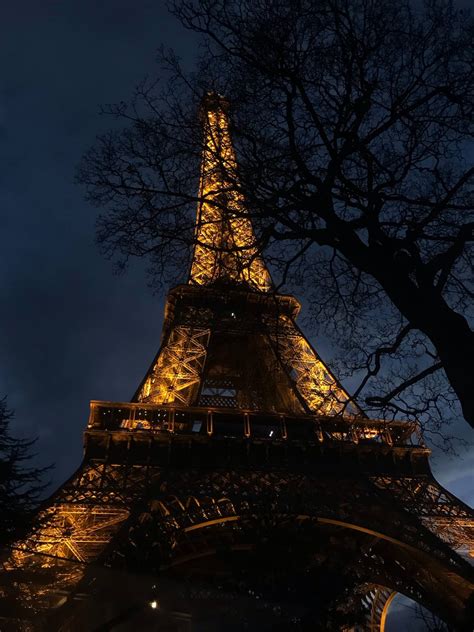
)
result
[(241, 488)]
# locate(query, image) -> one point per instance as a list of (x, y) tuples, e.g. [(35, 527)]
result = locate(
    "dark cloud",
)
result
[(69, 330)]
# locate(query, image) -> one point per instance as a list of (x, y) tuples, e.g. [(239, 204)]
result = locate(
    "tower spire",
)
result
[(226, 247)]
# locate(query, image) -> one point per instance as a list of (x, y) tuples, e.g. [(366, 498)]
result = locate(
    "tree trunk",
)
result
[(454, 341), (426, 309)]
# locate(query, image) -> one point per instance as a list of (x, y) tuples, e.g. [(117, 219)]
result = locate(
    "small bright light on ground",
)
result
[(154, 604)]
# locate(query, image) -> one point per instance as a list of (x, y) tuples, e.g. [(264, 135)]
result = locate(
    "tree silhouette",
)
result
[(351, 120), (21, 484)]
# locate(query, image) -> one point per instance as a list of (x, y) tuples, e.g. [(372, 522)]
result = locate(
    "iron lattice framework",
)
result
[(226, 247), (240, 461)]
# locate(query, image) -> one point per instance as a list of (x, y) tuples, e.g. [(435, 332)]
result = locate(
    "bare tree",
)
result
[(429, 621), (351, 120)]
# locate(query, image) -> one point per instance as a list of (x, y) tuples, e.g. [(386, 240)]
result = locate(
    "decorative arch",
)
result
[(191, 514)]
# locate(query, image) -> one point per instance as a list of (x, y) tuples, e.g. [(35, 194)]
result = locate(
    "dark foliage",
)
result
[(21, 484), (352, 120)]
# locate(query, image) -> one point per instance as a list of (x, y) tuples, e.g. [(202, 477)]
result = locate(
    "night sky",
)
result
[(70, 330)]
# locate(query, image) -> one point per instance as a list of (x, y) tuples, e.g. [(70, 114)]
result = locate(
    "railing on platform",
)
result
[(131, 417)]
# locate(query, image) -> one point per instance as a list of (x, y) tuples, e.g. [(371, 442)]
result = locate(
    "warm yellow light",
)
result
[(313, 380), (177, 372), (225, 242)]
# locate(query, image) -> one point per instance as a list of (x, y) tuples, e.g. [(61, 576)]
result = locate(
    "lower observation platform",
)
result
[(173, 435)]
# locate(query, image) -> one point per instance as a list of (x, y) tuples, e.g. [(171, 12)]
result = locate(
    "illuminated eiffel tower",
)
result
[(241, 486)]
